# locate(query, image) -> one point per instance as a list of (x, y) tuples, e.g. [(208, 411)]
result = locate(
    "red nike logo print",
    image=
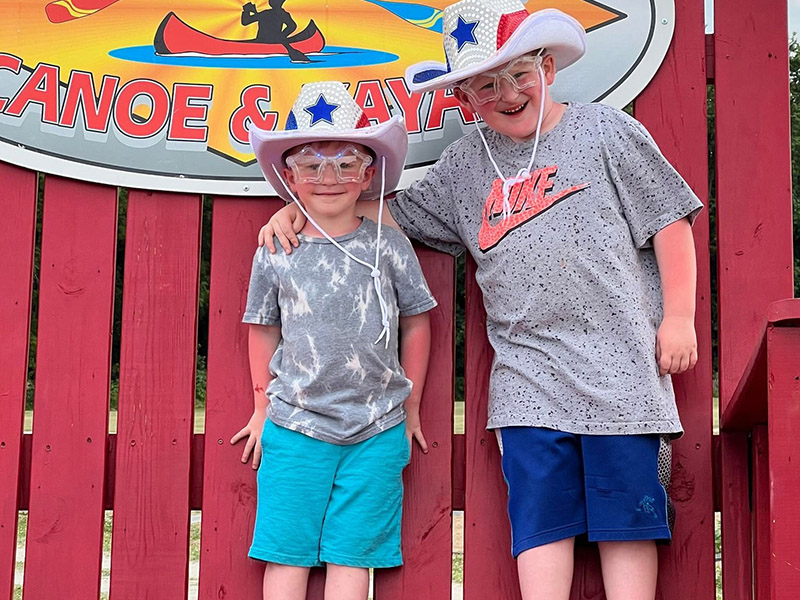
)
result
[(528, 199)]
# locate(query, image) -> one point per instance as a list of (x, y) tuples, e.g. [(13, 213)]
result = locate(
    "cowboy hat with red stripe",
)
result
[(481, 35), (325, 111)]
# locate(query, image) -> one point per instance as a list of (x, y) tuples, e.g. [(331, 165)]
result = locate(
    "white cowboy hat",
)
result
[(481, 35), (324, 110)]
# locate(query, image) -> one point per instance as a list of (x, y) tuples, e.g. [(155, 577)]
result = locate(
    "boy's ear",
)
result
[(369, 173), (288, 176), (549, 68), (463, 99)]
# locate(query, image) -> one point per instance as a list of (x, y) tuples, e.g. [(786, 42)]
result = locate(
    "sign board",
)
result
[(159, 95)]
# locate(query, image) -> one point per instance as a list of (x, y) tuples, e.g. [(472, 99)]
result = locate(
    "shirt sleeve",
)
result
[(262, 294), (652, 193), (413, 295), (425, 210)]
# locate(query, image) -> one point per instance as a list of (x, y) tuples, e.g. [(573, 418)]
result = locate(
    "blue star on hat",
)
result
[(321, 111), (464, 33)]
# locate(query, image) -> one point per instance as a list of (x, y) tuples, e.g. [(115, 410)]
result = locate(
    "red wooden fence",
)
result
[(154, 471)]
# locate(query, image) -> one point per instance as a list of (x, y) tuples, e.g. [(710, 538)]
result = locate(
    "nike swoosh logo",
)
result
[(528, 199)]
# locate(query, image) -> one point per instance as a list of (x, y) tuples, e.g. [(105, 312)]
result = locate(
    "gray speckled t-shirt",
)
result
[(331, 380), (570, 281)]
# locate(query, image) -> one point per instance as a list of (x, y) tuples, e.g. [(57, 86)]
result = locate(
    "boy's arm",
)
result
[(288, 221), (262, 342), (676, 341), (415, 344)]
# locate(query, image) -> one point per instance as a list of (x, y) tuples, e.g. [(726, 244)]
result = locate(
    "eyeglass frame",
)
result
[(504, 73), (308, 150)]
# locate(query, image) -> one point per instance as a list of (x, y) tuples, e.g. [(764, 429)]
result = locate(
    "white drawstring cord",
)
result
[(374, 270), (522, 174)]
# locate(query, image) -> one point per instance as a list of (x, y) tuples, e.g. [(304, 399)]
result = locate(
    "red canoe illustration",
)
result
[(176, 37)]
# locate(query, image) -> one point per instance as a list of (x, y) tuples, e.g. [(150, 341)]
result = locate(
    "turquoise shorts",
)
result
[(322, 503)]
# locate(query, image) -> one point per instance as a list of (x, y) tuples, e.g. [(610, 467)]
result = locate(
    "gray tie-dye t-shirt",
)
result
[(331, 380), (570, 281)]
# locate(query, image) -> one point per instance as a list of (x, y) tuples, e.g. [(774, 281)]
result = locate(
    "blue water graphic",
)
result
[(331, 57)]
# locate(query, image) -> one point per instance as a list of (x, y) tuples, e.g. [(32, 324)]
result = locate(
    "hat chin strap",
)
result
[(375, 271), (522, 174)]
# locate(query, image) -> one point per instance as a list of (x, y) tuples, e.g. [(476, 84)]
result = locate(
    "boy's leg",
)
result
[(545, 572), (283, 582), (363, 520), (546, 507), (630, 569), (346, 583), (627, 509)]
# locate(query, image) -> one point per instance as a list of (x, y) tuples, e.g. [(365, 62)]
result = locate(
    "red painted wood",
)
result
[(673, 108), (489, 570), (784, 456), (316, 585), (17, 235), (736, 522), (427, 502), (761, 504), (70, 420), (784, 311), (459, 470), (149, 555), (587, 580), (229, 490), (748, 405), (754, 238)]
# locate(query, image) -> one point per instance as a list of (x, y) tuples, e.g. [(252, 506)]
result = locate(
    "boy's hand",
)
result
[(676, 345), (252, 431), (414, 429), (283, 225)]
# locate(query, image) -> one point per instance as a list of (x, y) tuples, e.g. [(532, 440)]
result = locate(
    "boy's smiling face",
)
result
[(329, 198), (516, 113)]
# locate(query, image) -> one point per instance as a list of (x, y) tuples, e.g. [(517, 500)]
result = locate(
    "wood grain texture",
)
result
[(229, 487), (17, 238), (737, 579), (754, 202), (784, 456), (489, 569), (150, 544), (70, 421), (673, 108), (427, 501)]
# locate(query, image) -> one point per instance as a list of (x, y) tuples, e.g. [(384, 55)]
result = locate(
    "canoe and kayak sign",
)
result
[(160, 95)]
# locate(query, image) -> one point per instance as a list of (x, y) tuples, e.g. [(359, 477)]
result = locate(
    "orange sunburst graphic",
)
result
[(105, 37)]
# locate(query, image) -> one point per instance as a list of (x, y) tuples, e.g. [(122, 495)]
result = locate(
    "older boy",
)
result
[(324, 346), (581, 232)]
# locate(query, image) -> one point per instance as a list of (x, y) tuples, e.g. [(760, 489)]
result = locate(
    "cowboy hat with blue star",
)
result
[(482, 35), (325, 111)]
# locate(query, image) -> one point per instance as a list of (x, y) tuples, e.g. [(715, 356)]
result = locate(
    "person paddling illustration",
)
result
[(275, 25)]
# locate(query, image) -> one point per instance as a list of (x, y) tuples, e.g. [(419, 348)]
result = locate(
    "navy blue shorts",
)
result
[(560, 485)]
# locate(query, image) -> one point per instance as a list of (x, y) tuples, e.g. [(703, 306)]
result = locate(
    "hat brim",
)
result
[(560, 34), (388, 141)]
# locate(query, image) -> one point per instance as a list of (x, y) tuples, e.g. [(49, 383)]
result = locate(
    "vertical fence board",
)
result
[(760, 517), (673, 108), (784, 456), (736, 522), (427, 503), (17, 236), (156, 398), (229, 490), (754, 201), (70, 422), (489, 569)]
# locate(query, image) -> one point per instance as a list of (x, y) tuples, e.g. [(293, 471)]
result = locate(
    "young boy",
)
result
[(324, 347), (581, 233)]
